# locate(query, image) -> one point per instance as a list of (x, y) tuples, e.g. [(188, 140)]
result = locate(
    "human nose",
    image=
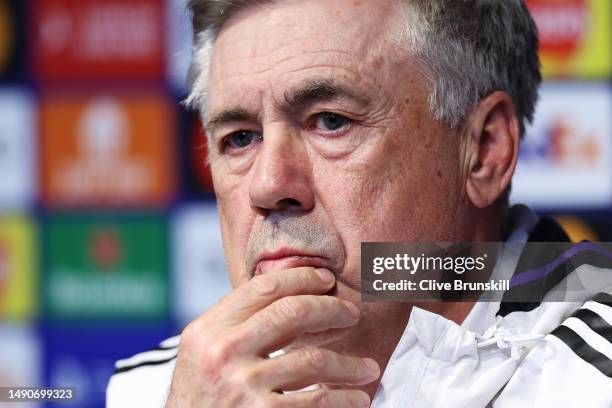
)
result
[(282, 178)]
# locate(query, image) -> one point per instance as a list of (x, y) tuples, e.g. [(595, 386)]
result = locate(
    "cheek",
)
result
[(403, 189), (416, 193), (363, 195), (236, 219), (427, 206), (232, 247)]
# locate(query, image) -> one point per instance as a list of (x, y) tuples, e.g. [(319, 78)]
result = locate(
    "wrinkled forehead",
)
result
[(259, 24), (290, 36)]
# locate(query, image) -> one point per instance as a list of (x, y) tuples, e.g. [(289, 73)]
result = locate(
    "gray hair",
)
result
[(470, 47)]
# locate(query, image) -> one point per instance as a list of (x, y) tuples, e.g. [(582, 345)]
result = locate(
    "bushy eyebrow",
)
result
[(294, 100), (228, 116), (318, 90)]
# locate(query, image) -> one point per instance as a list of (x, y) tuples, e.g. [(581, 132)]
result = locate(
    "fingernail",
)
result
[(325, 275), (352, 307), (372, 365)]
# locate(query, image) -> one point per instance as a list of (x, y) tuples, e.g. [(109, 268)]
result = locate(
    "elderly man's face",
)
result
[(322, 138)]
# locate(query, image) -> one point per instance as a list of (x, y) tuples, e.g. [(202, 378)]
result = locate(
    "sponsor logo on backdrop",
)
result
[(99, 38), (103, 135), (563, 143), (106, 268), (18, 289), (105, 248), (107, 150), (566, 157), (562, 25), (574, 36)]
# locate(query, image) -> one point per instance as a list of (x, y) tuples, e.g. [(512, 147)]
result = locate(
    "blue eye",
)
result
[(241, 139), (330, 122)]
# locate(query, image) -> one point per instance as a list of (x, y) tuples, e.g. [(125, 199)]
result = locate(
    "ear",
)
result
[(494, 136)]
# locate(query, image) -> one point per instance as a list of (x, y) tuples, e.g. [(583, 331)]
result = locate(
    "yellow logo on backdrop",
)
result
[(18, 283), (6, 34), (575, 37)]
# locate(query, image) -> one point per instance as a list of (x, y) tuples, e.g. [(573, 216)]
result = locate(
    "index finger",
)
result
[(264, 289)]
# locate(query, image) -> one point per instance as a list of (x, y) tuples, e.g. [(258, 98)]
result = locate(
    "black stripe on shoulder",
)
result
[(603, 298), (595, 322), (548, 230), (143, 364), (583, 350), (555, 274)]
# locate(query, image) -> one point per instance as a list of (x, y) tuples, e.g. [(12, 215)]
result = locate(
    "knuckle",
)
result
[(292, 308), (263, 403), (265, 285), (334, 303), (220, 352), (335, 306), (304, 276), (245, 378), (314, 357), (271, 401), (260, 404)]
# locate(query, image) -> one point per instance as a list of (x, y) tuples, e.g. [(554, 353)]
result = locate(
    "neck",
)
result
[(484, 225)]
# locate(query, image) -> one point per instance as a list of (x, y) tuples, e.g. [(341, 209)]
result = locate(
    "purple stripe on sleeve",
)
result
[(539, 273)]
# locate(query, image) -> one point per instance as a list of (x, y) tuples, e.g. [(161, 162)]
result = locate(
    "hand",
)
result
[(223, 355)]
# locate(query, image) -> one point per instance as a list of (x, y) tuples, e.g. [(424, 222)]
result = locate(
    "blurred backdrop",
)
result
[(109, 240)]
